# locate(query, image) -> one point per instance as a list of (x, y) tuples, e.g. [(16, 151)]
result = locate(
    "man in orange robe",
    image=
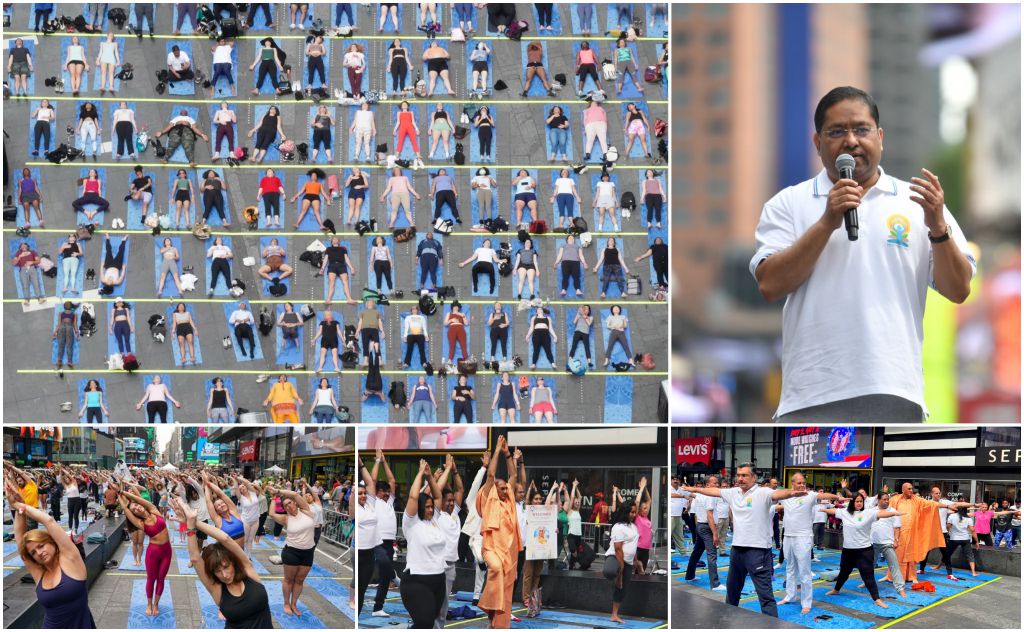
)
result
[(920, 531), (501, 540)]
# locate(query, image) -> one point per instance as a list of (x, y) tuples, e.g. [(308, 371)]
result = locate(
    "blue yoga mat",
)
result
[(310, 16), (577, 207), (527, 213), (389, 26), (12, 247), (334, 592), (65, 42), (657, 22), (615, 22), (570, 327), (408, 151), (445, 348), (209, 609), (321, 158), (341, 70), (860, 602), (289, 621), (637, 151), (339, 291), (371, 277), (608, 223), (111, 341), (510, 318), (235, 346), (589, 85), (350, 140), (30, 80), (343, 199), (115, 243), (418, 274), (342, 19), (137, 619), (99, 218), (618, 399), (633, 85), (128, 562), (214, 219), (618, 355), (446, 396), (401, 221), (578, 28), (33, 218), (170, 291), (291, 354), (570, 291), (372, 409), (267, 87), (791, 612), (259, 20), (134, 207), (314, 384), (477, 215), (264, 284), (224, 88), (134, 20), (173, 338), (542, 361), (223, 148), (439, 151), (329, 364), (113, 106), (97, 79), (548, 147), (410, 385), (489, 81), (179, 154), (556, 20), (536, 87), (221, 289), (33, 106), (186, 25), (483, 285), (521, 415), (182, 87), (273, 155), (81, 402), (181, 560), (263, 223), (309, 222), (414, 360), (230, 388)]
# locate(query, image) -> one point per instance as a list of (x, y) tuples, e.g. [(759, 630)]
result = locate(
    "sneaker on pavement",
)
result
[(380, 613), (720, 587)]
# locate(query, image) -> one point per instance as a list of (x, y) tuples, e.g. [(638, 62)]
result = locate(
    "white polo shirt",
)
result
[(367, 535), (798, 514), (819, 515), (854, 328), (944, 513), (387, 521), (721, 509), (676, 506), (751, 515)]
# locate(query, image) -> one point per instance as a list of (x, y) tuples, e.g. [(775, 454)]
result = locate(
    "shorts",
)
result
[(76, 63), (292, 556), (440, 125), (311, 197), (275, 262), (182, 330), (31, 196), (20, 68), (181, 195), (357, 194), (337, 267), (586, 70), (437, 65), (527, 197), (636, 127), (535, 64), (605, 202), (542, 407), (527, 266), (481, 66), (147, 197)]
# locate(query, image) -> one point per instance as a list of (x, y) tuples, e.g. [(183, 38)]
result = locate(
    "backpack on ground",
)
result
[(634, 285), (576, 367), (397, 395), (266, 324), (130, 362), (443, 226), (538, 227), (652, 74), (460, 155), (516, 29)]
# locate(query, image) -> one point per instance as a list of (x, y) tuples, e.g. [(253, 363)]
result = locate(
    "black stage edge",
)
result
[(986, 560), (20, 607), (702, 612), (583, 590)]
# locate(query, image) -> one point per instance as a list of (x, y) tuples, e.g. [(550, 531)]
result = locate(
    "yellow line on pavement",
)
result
[(355, 35), (307, 102), (320, 233), (326, 167), (941, 601), (275, 371)]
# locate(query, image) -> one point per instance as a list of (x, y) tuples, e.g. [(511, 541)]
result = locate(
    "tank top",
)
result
[(611, 257), (506, 392), (232, 526), (405, 119), (312, 188), (500, 320), (155, 528), (181, 184), (323, 397), (440, 115), (250, 610), (290, 318), (220, 398), (623, 54), (635, 116), (483, 121), (92, 186), (463, 391), (398, 54), (651, 187), (587, 56), (323, 120), (28, 185), (71, 491), (358, 181), (421, 392), (542, 395), (541, 320), (66, 605), (120, 312), (267, 54)]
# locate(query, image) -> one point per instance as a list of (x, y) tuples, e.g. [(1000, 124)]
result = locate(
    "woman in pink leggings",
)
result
[(144, 515)]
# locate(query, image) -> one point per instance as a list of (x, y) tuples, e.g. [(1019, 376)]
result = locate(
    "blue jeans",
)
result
[(323, 414), (559, 140), (421, 408), (340, 9), (428, 267), (585, 11), (221, 70), (1004, 535), (565, 204)]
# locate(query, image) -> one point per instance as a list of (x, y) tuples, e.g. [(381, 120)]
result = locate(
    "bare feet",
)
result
[(784, 601), (616, 619), (881, 604), (805, 610), (832, 592)]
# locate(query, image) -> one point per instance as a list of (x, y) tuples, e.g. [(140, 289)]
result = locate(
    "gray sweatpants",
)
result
[(449, 580), (678, 533), (889, 553), (30, 282)]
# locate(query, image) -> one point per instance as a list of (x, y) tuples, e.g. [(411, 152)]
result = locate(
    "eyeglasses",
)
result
[(836, 133)]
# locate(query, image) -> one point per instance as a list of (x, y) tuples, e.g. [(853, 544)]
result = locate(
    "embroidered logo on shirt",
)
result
[(750, 502), (899, 230)]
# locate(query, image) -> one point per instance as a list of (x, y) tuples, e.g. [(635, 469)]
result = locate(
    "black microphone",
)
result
[(845, 165)]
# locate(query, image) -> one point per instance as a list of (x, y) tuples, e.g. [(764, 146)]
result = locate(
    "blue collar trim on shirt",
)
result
[(822, 184)]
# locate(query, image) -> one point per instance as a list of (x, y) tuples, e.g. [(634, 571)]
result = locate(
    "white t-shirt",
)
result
[(876, 285), (699, 508), (820, 516), (857, 528), (367, 535), (958, 527), (751, 514), (354, 59), (218, 252), (249, 507), (676, 506), (798, 514), (870, 501), (563, 185), (177, 63), (482, 182), (240, 316), (485, 255), (521, 518), (1014, 520), (452, 528), (884, 531), (629, 536), (425, 555), (944, 513), (721, 508), (387, 521), (363, 120), (605, 191), (222, 54)]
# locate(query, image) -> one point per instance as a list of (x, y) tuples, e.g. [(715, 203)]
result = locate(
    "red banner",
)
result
[(694, 451), (249, 450)]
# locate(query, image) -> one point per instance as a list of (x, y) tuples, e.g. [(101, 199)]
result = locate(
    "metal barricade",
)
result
[(338, 528)]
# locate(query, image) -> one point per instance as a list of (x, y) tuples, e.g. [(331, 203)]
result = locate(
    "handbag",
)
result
[(83, 233)]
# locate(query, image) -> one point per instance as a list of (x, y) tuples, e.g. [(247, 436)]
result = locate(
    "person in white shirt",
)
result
[(947, 505), (703, 509), (423, 582), (961, 535), (798, 539), (179, 65), (677, 502), (471, 528), (751, 507), (485, 258), (857, 550), (722, 515), (243, 321), (885, 536), (852, 322), (248, 494), (451, 527), (367, 535), (622, 563), (222, 63), (818, 523), (387, 530)]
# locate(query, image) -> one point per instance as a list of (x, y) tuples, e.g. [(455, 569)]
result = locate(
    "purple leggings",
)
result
[(158, 562), (224, 131)]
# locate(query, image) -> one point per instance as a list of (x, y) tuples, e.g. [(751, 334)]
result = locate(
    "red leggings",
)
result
[(158, 562), (456, 334), (406, 131)]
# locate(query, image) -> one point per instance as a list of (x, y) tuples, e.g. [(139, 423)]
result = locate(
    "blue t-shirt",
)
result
[(443, 183)]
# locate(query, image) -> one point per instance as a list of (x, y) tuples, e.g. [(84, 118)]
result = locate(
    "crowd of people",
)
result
[(221, 517), (167, 190), (447, 518), (896, 529)]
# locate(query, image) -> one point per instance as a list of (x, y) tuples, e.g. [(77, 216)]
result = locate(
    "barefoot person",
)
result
[(885, 536), (857, 549), (921, 529), (299, 545), (501, 539)]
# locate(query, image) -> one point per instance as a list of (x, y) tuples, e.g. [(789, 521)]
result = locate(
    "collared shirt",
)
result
[(798, 514), (240, 316), (676, 506), (854, 327), (752, 523)]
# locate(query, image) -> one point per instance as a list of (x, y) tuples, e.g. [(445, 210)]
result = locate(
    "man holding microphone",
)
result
[(855, 297)]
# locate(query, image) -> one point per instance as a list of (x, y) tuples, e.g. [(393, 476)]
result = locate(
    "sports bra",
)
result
[(155, 528), (232, 526), (541, 320), (120, 312), (312, 188), (440, 115)]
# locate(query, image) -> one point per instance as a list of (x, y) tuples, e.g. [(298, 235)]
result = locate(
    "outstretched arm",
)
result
[(412, 504)]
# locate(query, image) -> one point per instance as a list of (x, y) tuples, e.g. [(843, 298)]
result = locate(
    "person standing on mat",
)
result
[(423, 583), (368, 537), (387, 529), (885, 534), (451, 527), (299, 545), (857, 549), (146, 517), (502, 542), (751, 542), (921, 529), (707, 537)]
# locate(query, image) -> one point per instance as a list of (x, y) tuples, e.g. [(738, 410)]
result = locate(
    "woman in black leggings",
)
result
[(423, 582), (382, 261), (499, 324), (213, 196), (155, 398), (398, 65), (658, 252), (583, 325), (271, 62), (542, 336), (463, 396), (220, 263), (857, 549)]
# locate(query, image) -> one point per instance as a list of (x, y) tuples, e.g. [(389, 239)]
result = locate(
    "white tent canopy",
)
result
[(169, 468), (274, 469)]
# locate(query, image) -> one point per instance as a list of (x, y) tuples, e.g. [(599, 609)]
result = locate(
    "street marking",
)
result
[(941, 601)]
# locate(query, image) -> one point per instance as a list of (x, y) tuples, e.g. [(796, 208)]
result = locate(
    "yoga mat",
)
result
[(347, 21), (569, 150), (210, 611), (632, 87), (524, 404), (484, 288), (388, 79), (418, 274), (372, 409), (791, 612), (339, 287), (589, 85), (439, 151), (134, 207), (263, 223), (641, 209), (137, 619), (489, 81), (616, 22), (133, 19), (408, 151), (273, 155), (179, 153), (170, 291), (410, 385), (113, 106), (571, 290), (33, 106), (596, 154), (314, 384), (446, 349), (637, 151), (446, 209), (581, 620), (541, 270), (65, 42), (221, 289), (478, 215), (267, 89), (414, 360), (657, 22), (401, 221), (173, 338), (220, 90), (382, 310), (618, 399), (230, 388), (556, 20), (229, 308), (264, 284), (343, 199), (527, 213), (618, 355), (181, 559), (166, 379), (111, 340), (33, 219), (343, 71), (577, 206), (310, 16), (329, 364), (259, 20), (570, 328), (128, 561), (333, 591), (861, 603), (115, 243), (578, 28), (351, 137), (389, 26), (536, 87), (99, 218), (81, 402), (289, 621), (97, 79), (510, 317), (595, 224), (186, 24), (309, 222), (542, 361), (182, 87), (914, 597), (76, 346), (446, 396), (474, 155), (214, 219), (371, 277), (321, 158), (291, 354)]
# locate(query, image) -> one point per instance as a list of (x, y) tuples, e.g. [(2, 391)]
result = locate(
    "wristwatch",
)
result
[(938, 240)]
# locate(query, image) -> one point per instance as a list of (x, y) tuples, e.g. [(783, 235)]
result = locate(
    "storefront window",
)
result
[(830, 480), (989, 491), (951, 489)]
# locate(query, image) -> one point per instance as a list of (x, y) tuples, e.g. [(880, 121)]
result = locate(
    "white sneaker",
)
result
[(777, 566), (720, 587), (380, 613)]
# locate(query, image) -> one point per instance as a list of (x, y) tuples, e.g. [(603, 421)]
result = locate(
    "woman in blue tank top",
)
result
[(223, 512)]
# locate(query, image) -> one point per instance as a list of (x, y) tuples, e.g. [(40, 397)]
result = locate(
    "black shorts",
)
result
[(535, 64), (480, 66), (337, 267), (526, 266), (311, 197), (357, 194), (183, 330), (587, 70), (181, 195), (291, 556), (437, 65)]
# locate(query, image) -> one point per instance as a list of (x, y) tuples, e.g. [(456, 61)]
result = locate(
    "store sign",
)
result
[(694, 451), (248, 450), (839, 447), (998, 456)]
